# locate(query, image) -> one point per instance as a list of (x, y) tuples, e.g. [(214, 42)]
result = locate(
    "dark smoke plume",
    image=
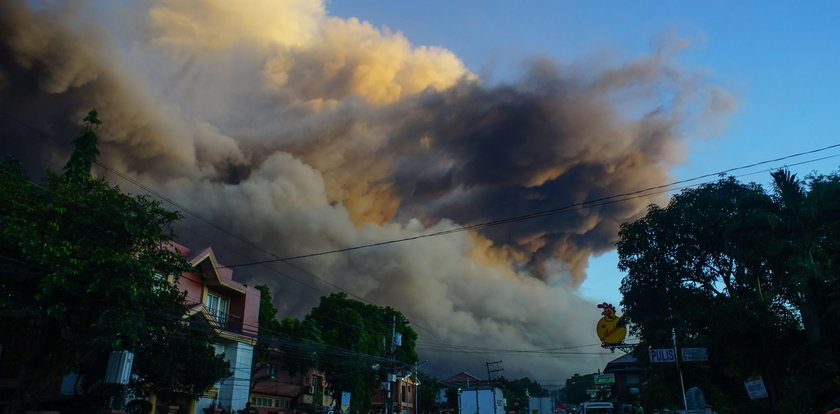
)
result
[(301, 132)]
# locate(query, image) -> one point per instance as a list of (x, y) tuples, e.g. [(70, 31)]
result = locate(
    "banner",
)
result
[(345, 402)]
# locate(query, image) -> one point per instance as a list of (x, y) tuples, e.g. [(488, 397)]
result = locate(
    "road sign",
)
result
[(755, 388), (663, 355), (694, 354)]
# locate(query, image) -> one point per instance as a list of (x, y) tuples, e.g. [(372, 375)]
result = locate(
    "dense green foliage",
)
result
[(269, 327), (518, 391), (575, 390), (82, 264), (428, 392), (339, 324), (751, 275)]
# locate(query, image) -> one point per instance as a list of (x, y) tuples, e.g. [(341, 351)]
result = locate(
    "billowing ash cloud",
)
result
[(301, 132)]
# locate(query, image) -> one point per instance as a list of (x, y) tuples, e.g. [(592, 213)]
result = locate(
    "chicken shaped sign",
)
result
[(610, 328)]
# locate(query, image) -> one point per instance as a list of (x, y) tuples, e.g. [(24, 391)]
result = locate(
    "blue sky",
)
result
[(779, 59)]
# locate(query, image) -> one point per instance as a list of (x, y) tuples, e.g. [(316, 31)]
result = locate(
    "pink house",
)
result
[(231, 309)]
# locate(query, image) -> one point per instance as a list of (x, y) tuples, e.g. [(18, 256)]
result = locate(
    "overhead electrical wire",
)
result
[(585, 204), (542, 213)]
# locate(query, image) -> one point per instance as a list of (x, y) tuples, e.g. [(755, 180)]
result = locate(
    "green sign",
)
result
[(605, 379)]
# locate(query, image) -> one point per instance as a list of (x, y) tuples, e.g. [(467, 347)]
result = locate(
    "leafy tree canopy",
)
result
[(82, 264), (428, 392), (576, 387), (519, 390), (340, 323), (748, 274)]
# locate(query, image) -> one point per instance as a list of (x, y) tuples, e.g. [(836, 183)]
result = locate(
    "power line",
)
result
[(197, 216), (585, 204), (542, 213), (475, 348)]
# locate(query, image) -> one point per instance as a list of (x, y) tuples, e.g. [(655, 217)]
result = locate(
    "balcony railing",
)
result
[(224, 321), (229, 322)]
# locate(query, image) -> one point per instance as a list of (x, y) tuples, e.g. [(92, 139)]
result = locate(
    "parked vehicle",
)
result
[(597, 407), (540, 405), (481, 401)]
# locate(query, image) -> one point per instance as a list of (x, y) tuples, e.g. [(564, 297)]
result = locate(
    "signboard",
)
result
[(755, 388), (605, 379), (118, 370), (663, 355), (694, 354), (610, 328), (345, 402)]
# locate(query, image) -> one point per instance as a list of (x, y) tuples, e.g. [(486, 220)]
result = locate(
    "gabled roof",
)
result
[(623, 363), (208, 267), (461, 377)]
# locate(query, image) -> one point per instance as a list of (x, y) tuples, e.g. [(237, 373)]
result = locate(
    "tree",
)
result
[(732, 268), (520, 390), (428, 392), (83, 265), (576, 388), (452, 398), (805, 261), (348, 338), (269, 327), (174, 358)]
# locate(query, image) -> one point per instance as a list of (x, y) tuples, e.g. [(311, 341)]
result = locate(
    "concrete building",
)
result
[(403, 396), (628, 373), (231, 310), (276, 389)]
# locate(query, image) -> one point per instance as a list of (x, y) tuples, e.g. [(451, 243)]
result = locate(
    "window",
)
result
[(315, 384), (262, 402), (217, 307), (271, 370), (402, 394)]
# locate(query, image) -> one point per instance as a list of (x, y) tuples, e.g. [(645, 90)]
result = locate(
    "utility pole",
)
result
[(490, 378), (389, 408), (417, 387), (391, 377), (491, 371), (679, 370)]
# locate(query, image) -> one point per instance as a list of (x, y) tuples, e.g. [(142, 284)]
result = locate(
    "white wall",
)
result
[(234, 390)]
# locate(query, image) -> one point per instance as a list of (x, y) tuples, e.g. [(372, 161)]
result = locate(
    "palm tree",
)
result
[(799, 236)]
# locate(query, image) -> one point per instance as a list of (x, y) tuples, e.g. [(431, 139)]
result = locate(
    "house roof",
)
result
[(623, 363), (207, 266), (461, 377)]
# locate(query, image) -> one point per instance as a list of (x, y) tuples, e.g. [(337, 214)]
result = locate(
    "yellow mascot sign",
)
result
[(610, 328)]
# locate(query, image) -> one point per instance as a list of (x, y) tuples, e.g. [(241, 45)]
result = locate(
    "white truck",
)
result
[(597, 407), (481, 401), (540, 405)]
